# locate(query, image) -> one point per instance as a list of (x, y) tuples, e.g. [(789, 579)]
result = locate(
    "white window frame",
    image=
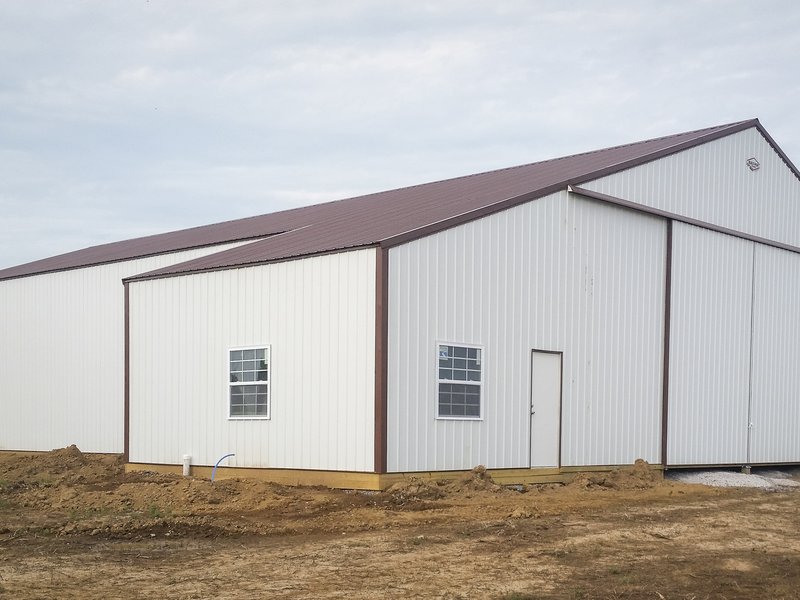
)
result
[(480, 383), (268, 353)]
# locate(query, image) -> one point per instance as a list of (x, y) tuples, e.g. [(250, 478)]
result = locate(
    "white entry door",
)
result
[(545, 408)]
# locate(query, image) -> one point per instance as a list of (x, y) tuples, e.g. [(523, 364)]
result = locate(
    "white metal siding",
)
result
[(712, 183), (559, 273), (776, 357), (709, 347), (61, 355), (318, 316)]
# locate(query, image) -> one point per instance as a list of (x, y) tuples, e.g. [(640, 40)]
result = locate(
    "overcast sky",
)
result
[(120, 119)]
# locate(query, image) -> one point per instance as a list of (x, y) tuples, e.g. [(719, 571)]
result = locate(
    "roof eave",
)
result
[(161, 274)]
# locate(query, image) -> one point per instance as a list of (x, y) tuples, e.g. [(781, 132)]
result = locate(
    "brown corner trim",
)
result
[(381, 355), (127, 378), (680, 218), (667, 326)]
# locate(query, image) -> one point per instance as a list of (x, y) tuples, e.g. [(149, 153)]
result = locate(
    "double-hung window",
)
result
[(248, 394), (459, 381)]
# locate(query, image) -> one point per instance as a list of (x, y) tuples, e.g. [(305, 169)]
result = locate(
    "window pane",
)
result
[(459, 400), (444, 352), (460, 363), (446, 362), (445, 373), (472, 352), (473, 375), (459, 352), (459, 375), (249, 400)]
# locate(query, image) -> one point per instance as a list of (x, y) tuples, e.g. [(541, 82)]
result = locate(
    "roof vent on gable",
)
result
[(753, 164)]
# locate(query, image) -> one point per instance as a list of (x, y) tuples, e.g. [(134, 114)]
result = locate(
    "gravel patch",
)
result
[(767, 480)]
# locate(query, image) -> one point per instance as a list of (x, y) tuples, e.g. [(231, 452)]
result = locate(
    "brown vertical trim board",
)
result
[(127, 336), (381, 355), (667, 316)]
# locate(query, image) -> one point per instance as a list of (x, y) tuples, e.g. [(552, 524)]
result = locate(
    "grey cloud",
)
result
[(140, 117)]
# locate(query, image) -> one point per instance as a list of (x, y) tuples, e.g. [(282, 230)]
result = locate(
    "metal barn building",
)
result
[(635, 302)]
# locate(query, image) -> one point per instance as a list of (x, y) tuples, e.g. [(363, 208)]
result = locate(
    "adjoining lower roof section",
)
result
[(382, 219)]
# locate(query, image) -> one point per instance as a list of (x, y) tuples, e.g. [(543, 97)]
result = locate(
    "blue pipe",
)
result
[(214, 470)]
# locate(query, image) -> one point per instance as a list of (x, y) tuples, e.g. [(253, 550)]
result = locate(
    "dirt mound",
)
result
[(69, 456), (477, 480), (415, 488), (640, 476), (61, 465)]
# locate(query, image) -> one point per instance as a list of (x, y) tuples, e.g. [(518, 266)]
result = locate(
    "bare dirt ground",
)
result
[(76, 526)]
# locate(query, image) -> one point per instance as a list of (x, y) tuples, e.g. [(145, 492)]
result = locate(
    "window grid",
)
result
[(459, 381), (249, 384)]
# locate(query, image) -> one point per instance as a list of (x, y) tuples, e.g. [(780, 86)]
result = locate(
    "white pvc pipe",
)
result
[(187, 464)]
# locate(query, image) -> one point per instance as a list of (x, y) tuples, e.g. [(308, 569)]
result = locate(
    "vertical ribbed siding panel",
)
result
[(64, 332), (712, 183), (775, 436), (558, 273), (709, 347), (317, 315)]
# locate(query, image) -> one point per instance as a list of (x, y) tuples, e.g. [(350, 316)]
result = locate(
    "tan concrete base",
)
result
[(374, 481)]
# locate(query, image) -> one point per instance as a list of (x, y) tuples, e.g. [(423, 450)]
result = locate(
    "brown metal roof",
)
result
[(385, 218)]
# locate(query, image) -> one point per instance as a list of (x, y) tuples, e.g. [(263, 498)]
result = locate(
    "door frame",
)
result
[(530, 401)]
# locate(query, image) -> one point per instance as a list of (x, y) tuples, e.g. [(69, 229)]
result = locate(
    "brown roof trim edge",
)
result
[(777, 149), (467, 217), (680, 147), (680, 218), (573, 181), (381, 356)]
